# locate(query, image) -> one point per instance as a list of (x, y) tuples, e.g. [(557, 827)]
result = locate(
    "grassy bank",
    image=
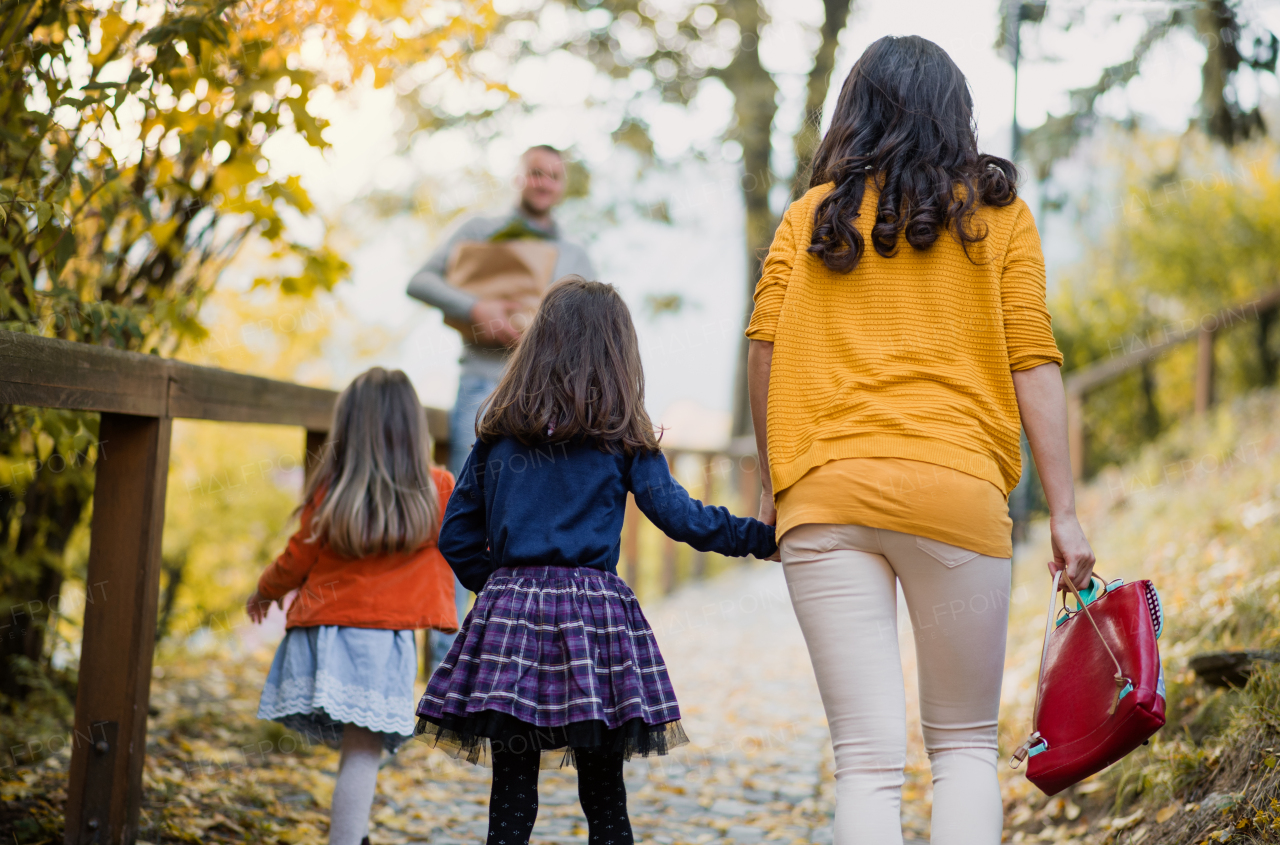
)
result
[(1198, 513)]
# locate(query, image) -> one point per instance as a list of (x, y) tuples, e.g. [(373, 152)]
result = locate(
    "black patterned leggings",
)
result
[(513, 801)]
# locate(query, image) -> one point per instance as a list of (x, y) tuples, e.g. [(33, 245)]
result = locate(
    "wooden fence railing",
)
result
[(1081, 382), (138, 397), (729, 477)]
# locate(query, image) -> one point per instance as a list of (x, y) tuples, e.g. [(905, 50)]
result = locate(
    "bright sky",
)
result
[(689, 357)]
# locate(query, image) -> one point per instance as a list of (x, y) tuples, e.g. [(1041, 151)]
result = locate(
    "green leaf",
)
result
[(23, 269), (66, 248), (44, 211)]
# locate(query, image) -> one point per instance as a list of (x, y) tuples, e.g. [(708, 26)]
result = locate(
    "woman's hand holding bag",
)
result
[(1071, 551)]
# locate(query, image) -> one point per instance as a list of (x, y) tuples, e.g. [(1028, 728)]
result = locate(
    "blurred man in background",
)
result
[(487, 278)]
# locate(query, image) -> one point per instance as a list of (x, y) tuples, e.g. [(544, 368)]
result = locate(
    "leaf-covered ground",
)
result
[(758, 768), (1198, 513)]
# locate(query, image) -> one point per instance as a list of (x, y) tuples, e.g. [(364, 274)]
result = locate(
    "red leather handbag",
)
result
[(1101, 688)]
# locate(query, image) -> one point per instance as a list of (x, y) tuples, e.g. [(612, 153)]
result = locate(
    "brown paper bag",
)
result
[(516, 271)]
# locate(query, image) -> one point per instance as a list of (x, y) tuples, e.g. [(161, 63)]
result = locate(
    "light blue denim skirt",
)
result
[(328, 676)]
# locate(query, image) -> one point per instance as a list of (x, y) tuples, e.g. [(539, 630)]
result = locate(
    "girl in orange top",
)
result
[(367, 572)]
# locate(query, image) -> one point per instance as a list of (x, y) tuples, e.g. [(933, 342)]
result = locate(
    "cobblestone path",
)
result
[(758, 768)]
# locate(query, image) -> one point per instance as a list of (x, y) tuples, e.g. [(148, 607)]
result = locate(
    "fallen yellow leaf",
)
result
[(1127, 821)]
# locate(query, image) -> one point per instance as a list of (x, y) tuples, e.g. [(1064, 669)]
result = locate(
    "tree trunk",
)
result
[(174, 568), (1210, 21), (755, 104), (1267, 356), (1150, 409), (1221, 114), (755, 99), (810, 132)]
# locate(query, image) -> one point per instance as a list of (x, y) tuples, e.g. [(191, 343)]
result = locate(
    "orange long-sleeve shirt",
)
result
[(398, 591)]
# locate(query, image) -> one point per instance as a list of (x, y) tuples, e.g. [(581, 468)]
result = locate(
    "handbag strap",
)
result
[(1120, 679), (1048, 629), (1044, 649)]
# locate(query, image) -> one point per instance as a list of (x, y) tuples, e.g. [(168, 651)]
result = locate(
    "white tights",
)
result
[(842, 580), (357, 781)]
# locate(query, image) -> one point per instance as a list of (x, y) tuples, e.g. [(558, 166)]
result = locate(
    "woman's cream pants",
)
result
[(842, 580)]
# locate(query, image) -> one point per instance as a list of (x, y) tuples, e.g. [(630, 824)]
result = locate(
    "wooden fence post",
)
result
[(442, 438), (749, 482), (669, 546), (1075, 432), (1204, 371), (708, 491), (1267, 358), (109, 742), (314, 446)]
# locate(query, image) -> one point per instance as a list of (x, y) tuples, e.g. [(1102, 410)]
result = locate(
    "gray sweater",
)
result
[(428, 284)]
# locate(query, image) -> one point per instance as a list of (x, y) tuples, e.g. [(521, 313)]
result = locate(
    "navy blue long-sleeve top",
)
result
[(562, 504)]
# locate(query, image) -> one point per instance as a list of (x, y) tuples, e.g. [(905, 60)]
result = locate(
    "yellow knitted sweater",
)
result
[(905, 357)]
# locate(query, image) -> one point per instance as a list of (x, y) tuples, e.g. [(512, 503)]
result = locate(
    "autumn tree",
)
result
[(1161, 265), (133, 168), (684, 39), (680, 44), (1196, 247), (1233, 42)]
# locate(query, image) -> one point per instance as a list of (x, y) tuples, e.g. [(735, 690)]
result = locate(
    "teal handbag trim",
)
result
[(1090, 594)]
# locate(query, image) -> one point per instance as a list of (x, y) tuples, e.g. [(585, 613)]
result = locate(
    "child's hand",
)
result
[(768, 514), (257, 607)]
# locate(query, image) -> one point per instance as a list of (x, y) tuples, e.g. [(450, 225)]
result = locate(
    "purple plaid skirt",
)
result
[(552, 657)]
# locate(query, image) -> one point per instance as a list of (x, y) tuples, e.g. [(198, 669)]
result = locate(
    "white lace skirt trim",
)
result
[(328, 676)]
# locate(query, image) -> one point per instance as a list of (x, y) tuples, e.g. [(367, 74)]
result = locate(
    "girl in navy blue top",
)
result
[(556, 654)]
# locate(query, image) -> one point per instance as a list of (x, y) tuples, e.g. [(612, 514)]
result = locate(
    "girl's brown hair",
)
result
[(373, 488), (574, 375)]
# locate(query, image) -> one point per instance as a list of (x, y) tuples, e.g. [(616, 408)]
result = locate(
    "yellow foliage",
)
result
[(231, 491), (1194, 229), (1194, 236)]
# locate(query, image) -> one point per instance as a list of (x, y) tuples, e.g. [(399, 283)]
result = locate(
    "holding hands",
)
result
[(768, 514)]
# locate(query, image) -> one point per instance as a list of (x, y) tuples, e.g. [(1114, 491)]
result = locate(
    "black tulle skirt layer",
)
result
[(476, 736)]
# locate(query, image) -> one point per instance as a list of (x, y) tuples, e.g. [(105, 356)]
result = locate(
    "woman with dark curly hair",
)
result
[(888, 386)]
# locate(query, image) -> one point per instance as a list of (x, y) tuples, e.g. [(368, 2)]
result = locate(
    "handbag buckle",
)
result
[(1033, 746)]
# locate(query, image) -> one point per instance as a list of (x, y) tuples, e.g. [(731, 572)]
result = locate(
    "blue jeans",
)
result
[(473, 390)]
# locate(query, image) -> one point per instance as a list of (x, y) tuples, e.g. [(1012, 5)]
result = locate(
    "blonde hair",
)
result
[(373, 488)]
